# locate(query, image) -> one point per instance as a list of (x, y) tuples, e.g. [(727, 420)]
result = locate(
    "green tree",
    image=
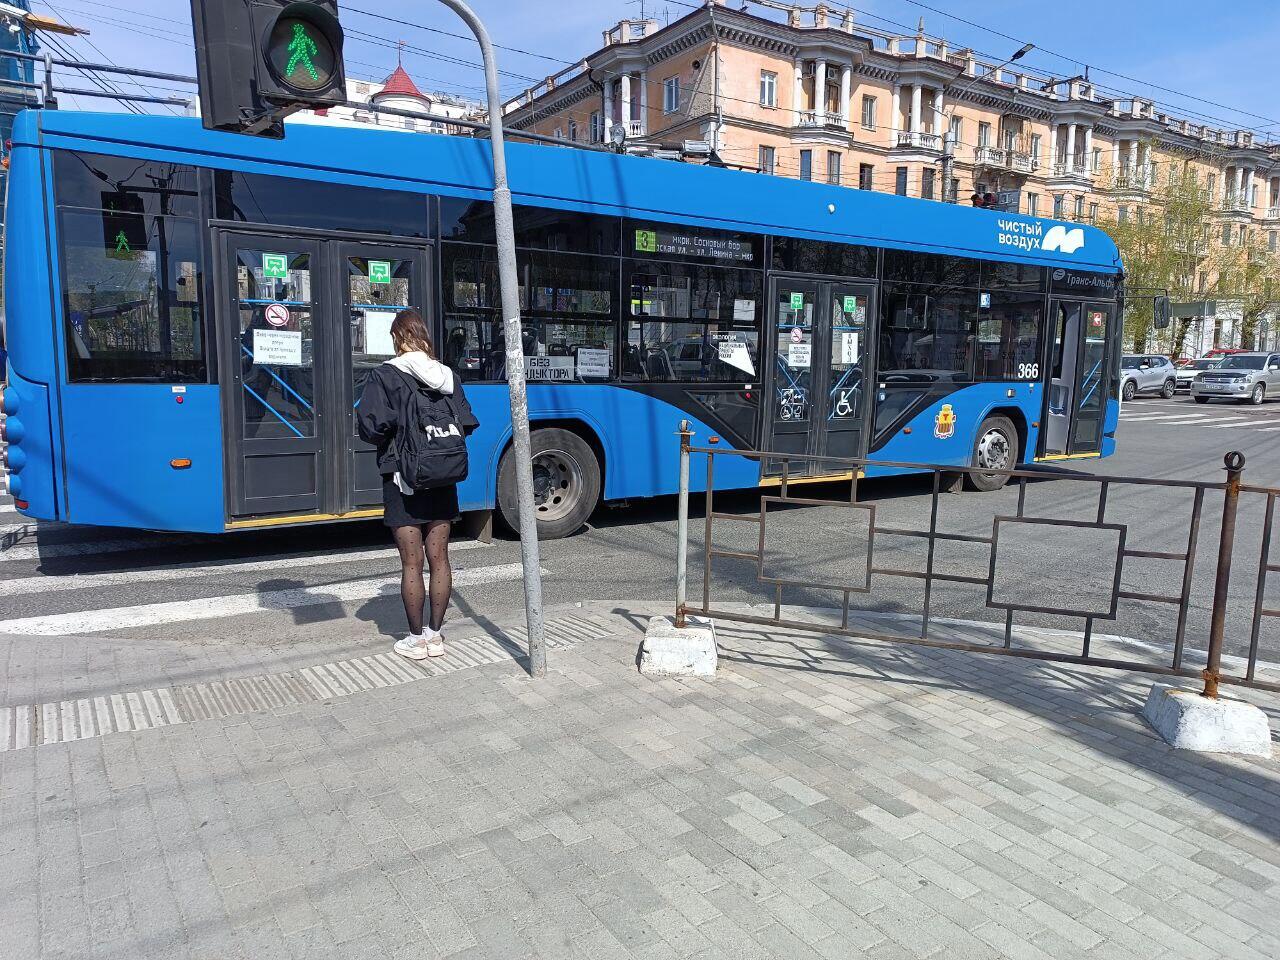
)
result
[(1164, 245), (1249, 278)]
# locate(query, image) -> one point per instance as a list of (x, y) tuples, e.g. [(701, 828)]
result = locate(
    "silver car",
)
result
[(1243, 377), (1147, 373), (1188, 373)]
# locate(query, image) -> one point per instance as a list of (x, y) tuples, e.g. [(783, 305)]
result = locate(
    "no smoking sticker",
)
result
[(277, 314)]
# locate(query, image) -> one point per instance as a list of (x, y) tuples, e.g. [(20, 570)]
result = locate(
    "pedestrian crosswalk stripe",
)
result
[(28, 725), (207, 608), (50, 583), (80, 548)]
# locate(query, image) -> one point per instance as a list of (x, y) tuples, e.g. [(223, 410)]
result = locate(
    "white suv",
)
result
[(1147, 373)]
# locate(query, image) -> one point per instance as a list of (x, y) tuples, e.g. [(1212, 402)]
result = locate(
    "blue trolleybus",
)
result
[(191, 315)]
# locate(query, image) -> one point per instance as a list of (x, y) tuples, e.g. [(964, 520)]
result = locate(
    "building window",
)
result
[(767, 163), (558, 133), (1079, 211), (955, 188), (957, 130), (900, 181), (768, 88), (1097, 159), (833, 167), (597, 127), (806, 164), (1057, 205), (1226, 234), (1271, 241), (866, 176), (671, 95), (1035, 149), (1253, 196), (868, 112), (984, 135), (1122, 214), (1093, 213), (1033, 204), (926, 183), (1212, 187), (573, 130)]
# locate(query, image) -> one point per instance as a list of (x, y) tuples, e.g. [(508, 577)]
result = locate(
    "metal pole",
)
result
[(682, 525), (1226, 544), (507, 283)]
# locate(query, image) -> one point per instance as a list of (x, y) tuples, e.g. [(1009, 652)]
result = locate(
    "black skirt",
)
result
[(419, 507)]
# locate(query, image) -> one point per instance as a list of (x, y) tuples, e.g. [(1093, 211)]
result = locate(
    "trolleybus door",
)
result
[(1079, 376), (273, 341), (377, 281), (817, 399)]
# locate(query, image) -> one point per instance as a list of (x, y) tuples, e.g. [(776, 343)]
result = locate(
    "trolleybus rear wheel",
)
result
[(995, 448), (566, 483)]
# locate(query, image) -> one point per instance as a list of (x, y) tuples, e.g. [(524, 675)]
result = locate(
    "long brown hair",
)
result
[(409, 332)]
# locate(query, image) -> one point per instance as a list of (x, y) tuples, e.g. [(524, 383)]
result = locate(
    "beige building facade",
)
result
[(816, 95)]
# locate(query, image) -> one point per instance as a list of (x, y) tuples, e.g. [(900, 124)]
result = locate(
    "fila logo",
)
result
[(1060, 238), (435, 433)]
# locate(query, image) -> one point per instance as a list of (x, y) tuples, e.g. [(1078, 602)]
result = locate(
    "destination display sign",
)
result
[(693, 243)]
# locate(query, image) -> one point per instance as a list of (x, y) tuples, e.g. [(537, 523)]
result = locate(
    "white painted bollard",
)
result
[(1190, 721)]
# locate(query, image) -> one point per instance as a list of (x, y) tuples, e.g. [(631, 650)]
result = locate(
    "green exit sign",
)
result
[(797, 301), (379, 271), (275, 266)]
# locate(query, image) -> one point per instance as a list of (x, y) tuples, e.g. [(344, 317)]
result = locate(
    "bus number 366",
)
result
[(1028, 371)]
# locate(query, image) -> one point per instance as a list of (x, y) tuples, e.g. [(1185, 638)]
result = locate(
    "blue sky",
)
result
[(1220, 52)]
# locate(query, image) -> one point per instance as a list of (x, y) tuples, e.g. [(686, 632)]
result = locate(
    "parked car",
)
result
[(1243, 377), (1188, 373), (1147, 373)]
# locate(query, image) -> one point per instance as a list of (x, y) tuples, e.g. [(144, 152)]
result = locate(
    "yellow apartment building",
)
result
[(817, 95)]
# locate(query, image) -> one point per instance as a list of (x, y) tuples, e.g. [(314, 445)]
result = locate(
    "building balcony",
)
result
[(1236, 203), (1013, 160), (1132, 180), (635, 128), (1273, 213), (818, 120), (1067, 172), (918, 140)]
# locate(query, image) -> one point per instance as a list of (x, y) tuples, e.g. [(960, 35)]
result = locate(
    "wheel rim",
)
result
[(557, 485), (993, 450), (1129, 390), (1258, 392)]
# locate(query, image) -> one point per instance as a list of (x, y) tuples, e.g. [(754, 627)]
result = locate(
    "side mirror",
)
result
[(1161, 313)]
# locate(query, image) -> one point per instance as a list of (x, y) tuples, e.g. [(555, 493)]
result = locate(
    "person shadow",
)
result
[(306, 604)]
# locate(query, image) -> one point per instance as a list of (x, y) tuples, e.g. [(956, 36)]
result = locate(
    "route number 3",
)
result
[(1028, 371)]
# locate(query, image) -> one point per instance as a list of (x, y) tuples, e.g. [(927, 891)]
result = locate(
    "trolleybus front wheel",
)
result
[(995, 448), (566, 483)]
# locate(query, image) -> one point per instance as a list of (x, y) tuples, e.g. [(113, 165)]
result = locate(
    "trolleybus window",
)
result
[(93, 181), (569, 307), (471, 221), (1009, 337), (319, 204), (815, 256), (131, 296)]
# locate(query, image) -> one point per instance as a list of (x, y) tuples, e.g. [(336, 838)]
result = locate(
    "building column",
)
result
[(846, 91), (916, 92), (895, 113), (1088, 149), (1239, 183), (625, 95), (1055, 151), (606, 96), (1071, 146), (1144, 164), (938, 118), (644, 101), (799, 104), (820, 91), (1248, 186), (1115, 158)]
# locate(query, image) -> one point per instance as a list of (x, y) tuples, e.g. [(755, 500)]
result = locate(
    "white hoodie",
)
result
[(431, 373)]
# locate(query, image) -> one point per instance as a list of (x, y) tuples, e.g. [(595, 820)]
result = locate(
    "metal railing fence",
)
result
[(1178, 601)]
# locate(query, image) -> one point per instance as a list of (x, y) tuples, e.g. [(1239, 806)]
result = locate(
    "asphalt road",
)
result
[(61, 582)]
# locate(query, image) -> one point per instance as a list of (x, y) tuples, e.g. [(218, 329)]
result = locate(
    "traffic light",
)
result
[(260, 60)]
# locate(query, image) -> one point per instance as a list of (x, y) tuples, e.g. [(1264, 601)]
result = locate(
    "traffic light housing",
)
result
[(258, 61)]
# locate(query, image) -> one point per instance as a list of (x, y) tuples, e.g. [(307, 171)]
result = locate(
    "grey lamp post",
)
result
[(948, 145), (507, 281)]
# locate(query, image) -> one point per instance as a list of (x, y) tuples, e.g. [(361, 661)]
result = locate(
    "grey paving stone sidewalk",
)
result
[(819, 799)]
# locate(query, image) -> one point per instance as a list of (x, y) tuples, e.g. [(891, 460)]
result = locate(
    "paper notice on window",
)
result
[(849, 352), (377, 333), (744, 311), (548, 369), (593, 362), (736, 354), (799, 355), (277, 348)]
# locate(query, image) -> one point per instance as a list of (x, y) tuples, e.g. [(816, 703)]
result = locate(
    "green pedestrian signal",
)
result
[(122, 243), (302, 48), (301, 55)]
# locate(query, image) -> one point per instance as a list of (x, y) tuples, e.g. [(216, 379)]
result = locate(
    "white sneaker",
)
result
[(414, 646), (435, 645)]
